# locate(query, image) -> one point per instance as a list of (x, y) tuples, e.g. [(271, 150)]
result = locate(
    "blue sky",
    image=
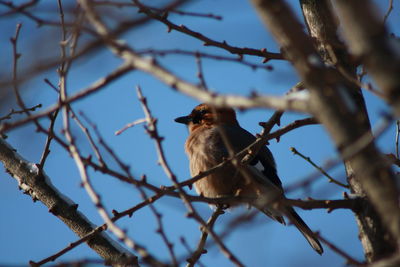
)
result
[(29, 232)]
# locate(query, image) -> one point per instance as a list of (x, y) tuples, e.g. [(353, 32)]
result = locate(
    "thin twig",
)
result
[(16, 56), (308, 159), (397, 137), (14, 112), (202, 242), (328, 204), (236, 59), (160, 10), (69, 247), (388, 11), (50, 130), (207, 41), (147, 257), (75, 263), (294, 125), (200, 73), (153, 132), (50, 136), (345, 255), (98, 203), (101, 228), (129, 125), (90, 47), (73, 149), (311, 178), (189, 250), (161, 229), (96, 86), (86, 131)]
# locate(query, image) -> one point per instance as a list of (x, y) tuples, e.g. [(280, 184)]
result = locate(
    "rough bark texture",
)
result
[(39, 187), (368, 39), (322, 25), (336, 110)]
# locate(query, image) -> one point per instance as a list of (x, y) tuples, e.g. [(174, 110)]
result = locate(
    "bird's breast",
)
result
[(205, 150)]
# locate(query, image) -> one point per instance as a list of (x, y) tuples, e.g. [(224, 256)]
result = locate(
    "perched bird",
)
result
[(214, 134)]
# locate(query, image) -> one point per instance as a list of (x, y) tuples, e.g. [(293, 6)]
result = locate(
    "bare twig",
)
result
[(13, 112), (147, 201), (345, 255), (50, 136), (16, 56), (202, 242), (294, 125), (89, 137), (100, 207), (308, 159), (65, 65), (200, 73), (309, 179), (99, 84), (38, 185), (188, 13), (153, 132), (160, 10), (207, 41), (21, 9), (388, 11), (147, 257), (330, 205), (129, 125), (236, 59), (73, 149), (262, 138), (161, 229), (99, 229), (397, 137), (69, 247)]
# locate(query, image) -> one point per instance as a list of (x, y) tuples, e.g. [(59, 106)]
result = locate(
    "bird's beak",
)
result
[(184, 119)]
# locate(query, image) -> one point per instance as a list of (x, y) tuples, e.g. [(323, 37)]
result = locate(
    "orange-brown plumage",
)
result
[(214, 133)]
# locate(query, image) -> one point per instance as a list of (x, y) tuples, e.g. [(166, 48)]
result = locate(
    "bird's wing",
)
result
[(264, 171), (264, 162)]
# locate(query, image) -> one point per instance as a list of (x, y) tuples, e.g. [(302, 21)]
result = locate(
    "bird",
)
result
[(215, 136)]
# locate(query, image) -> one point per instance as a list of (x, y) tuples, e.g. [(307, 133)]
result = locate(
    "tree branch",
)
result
[(335, 109), (323, 27), (369, 40), (207, 41), (39, 187)]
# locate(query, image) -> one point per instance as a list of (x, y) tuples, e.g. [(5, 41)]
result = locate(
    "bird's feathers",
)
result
[(212, 132), (294, 218)]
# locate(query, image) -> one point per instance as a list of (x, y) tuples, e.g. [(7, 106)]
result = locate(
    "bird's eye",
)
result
[(196, 119), (199, 115), (204, 111)]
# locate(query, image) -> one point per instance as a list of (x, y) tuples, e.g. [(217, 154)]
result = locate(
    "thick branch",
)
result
[(322, 25), (39, 187), (368, 39), (334, 109)]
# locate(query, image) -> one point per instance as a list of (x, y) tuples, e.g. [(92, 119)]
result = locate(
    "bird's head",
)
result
[(207, 115)]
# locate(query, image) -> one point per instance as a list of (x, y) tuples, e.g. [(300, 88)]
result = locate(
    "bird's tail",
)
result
[(294, 218)]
